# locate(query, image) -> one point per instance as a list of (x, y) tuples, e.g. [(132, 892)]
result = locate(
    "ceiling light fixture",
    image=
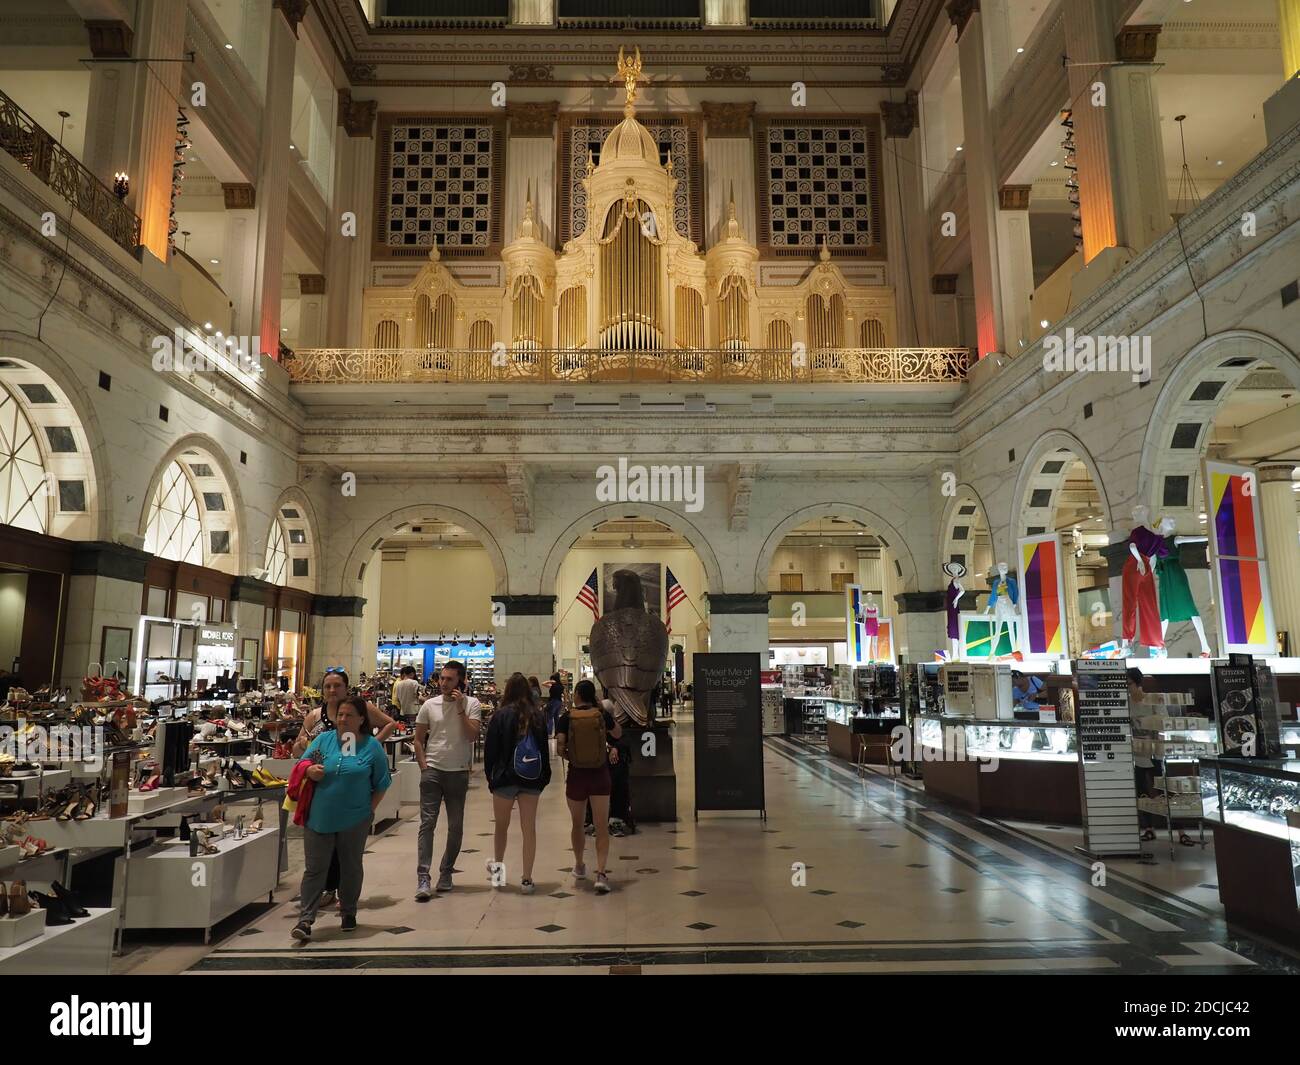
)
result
[(215, 262), (1019, 50), (230, 48), (1044, 323)]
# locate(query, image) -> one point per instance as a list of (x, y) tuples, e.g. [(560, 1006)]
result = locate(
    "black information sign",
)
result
[(1241, 731), (728, 733)]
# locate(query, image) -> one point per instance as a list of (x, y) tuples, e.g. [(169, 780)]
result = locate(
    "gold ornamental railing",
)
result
[(63, 172), (422, 365)]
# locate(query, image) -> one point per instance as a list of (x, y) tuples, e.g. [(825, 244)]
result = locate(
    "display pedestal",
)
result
[(408, 782), (83, 948), (15, 931), (1256, 883), (390, 806), (653, 780), (1020, 789)]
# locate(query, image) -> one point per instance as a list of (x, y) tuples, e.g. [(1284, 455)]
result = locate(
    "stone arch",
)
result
[(1039, 484), (24, 360), (891, 537), (963, 513), (350, 580), (612, 511), (1178, 431), (206, 464), (294, 513)]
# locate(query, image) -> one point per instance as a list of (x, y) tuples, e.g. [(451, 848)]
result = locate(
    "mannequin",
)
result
[(955, 571), (1174, 593), (870, 624), (1141, 612), (1004, 598)]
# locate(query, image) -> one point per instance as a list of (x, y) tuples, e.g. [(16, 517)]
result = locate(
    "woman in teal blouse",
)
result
[(351, 775)]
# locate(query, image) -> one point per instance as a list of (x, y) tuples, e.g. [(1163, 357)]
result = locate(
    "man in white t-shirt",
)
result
[(406, 693), (445, 730)]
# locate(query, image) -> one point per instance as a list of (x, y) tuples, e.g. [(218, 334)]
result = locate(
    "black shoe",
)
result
[(301, 932), (55, 912), (349, 923), (70, 901)]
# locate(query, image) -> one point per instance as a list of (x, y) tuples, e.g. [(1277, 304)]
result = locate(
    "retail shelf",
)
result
[(83, 948)]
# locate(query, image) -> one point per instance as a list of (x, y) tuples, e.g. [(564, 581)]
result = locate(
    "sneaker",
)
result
[(602, 884), (349, 922), (527, 887), (496, 873), (327, 898), (301, 932), (424, 889), (444, 882), (579, 872)]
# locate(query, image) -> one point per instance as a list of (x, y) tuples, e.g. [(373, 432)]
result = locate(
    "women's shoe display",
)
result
[(1141, 611)]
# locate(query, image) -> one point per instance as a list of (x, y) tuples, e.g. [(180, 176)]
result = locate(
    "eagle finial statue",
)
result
[(629, 649)]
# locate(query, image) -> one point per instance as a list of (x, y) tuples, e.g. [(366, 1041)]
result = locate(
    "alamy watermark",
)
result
[(651, 484), (1098, 354), (186, 351), (908, 745), (81, 744)]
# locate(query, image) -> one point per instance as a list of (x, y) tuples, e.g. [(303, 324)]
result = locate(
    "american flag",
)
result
[(587, 595), (675, 596)]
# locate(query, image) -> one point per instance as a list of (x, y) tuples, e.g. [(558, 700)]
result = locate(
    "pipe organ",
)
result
[(527, 303), (733, 314), (573, 318), (629, 279), (688, 316)]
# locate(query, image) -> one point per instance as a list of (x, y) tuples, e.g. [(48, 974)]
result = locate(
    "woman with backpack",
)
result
[(583, 736), (518, 767)]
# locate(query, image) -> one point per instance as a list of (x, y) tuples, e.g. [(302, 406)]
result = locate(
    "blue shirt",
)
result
[(1027, 699), (342, 799)]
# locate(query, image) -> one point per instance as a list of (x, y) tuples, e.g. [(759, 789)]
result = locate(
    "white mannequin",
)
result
[(870, 612), (1004, 613), (1167, 526)]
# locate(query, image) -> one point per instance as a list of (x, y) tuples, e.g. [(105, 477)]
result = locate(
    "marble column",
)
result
[(106, 588), (525, 643), (155, 89), (946, 310), (920, 624), (729, 169), (348, 249), (1277, 505), (1122, 191), (110, 117), (337, 637), (739, 623), (239, 256), (909, 257), (273, 176), (1015, 265)]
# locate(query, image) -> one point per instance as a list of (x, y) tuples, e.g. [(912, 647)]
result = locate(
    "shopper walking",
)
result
[(333, 691), (406, 693), (350, 775), (445, 730), (516, 761), (554, 702), (583, 736)]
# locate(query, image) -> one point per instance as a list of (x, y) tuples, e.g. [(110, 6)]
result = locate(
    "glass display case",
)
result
[(1253, 794), (1028, 740), (850, 714)]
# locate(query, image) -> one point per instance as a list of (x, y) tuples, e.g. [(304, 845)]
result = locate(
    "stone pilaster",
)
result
[(273, 177), (525, 643), (739, 623), (348, 229)]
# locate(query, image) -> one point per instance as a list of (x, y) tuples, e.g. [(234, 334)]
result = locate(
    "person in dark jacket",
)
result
[(505, 752)]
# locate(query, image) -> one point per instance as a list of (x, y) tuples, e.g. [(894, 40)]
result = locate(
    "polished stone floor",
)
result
[(894, 881)]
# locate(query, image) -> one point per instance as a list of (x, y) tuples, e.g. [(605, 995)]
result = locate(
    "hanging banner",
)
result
[(977, 636), (1042, 596), (857, 638), (1237, 560)]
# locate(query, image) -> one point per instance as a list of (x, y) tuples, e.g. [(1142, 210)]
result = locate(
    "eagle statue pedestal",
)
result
[(629, 650)]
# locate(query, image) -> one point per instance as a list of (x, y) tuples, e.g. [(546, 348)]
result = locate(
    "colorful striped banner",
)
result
[(1238, 560), (856, 639), (1042, 596)]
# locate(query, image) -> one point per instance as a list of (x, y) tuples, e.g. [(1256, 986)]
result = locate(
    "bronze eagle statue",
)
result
[(629, 649)]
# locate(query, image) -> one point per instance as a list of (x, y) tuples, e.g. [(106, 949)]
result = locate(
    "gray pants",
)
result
[(318, 849), (438, 786)]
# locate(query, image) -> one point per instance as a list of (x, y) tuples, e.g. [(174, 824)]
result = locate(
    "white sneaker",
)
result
[(579, 872), (425, 890), (602, 884), (527, 887), (496, 874)]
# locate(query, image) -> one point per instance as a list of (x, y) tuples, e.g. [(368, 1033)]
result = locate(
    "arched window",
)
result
[(23, 500), (174, 530), (277, 558)]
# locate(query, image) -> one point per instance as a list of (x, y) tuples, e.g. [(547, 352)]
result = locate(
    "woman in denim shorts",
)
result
[(518, 718)]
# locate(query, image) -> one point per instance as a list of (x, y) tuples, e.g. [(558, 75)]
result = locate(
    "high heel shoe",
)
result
[(204, 839), (86, 810), (19, 904), (152, 783), (70, 901), (55, 912), (68, 810)]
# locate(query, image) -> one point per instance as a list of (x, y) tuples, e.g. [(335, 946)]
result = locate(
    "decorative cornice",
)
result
[(1014, 197), (294, 11), (895, 73), (532, 73), (960, 12), (244, 589), (920, 602), (100, 558), (311, 284), (1137, 44), (943, 285), (239, 196), (1274, 473), (901, 117), (533, 119), (110, 38), (720, 603), (728, 119), (527, 606), (727, 73), (357, 117)]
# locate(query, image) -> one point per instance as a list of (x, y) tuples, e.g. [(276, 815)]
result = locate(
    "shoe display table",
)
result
[(409, 781), (171, 889), (29, 787), (83, 948), (390, 806)]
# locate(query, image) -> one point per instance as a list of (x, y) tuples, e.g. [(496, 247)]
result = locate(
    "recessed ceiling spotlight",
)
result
[(293, 148), (215, 262), (1219, 163), (1055, 163), (207, 325), (230, 47), (1019, 50), (1044, 323), (959, 147)]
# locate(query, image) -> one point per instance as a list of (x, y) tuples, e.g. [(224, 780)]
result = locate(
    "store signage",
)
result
[(1237, 709), (1237, 561), (1042, 596), (1107, 782), (217, 636), (728, 733)]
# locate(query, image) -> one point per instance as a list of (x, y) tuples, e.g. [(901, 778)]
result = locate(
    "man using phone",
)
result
[(445, 730)]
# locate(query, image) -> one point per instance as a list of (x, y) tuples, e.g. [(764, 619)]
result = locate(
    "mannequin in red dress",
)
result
[(1141, 609)]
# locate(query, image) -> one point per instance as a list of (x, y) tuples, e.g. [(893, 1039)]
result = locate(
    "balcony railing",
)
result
[(58, 168), (437, 366)]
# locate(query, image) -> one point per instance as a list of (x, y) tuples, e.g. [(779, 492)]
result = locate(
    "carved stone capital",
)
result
[(110, 38), (1014, 197), (960, 11), (1137, 44), (239, 197), (294, 11), (311, 284), (728, 120), (895, 73), (360, 73), (532, 119), (901, 117), (357, 117), (943, 285), (742, 481)]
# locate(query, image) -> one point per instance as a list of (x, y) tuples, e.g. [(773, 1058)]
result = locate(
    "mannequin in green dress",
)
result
[(1172, 589)]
